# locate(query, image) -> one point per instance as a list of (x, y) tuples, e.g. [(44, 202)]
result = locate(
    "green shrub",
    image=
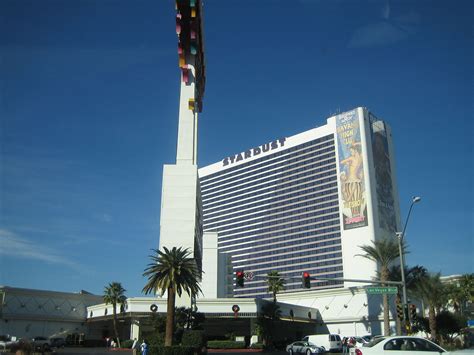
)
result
[(256, 346), (171, 350), (225, 344), (126, 343), (194, 338)]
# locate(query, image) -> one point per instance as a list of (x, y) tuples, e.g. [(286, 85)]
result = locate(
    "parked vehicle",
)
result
[(57, 342), (6, 341), (40, 344), (399, 345), (330, 342), (304, 347)]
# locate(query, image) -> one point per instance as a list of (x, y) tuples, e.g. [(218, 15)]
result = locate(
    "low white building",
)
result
[(28, 313)]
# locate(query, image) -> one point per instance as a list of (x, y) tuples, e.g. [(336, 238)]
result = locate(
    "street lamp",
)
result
[(400, 237)]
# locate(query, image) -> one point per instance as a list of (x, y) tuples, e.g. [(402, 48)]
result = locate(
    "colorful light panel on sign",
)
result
[(351, 169)]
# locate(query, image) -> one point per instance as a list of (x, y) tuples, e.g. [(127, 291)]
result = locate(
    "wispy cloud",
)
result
[(386, 31), (19, 247)]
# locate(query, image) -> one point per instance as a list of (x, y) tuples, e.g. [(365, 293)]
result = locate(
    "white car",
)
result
[(304, 347), (399, 345), (6, 342)]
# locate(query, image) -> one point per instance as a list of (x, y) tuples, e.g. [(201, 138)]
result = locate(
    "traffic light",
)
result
[(306, 280), (239, 277), (400, 311), (412, 312)]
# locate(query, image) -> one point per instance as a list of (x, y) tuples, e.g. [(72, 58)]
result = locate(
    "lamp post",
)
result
[(400, 237)]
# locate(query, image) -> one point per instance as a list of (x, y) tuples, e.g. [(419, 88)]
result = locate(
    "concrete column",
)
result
[(135, 329)]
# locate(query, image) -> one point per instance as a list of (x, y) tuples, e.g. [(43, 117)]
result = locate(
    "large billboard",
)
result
[(351, 170), (383, 175)]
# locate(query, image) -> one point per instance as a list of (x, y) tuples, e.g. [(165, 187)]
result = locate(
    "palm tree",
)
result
[(383, 252), (275, 283), (412, 275), (114, 294), (432, 292), (268, 313), (172, 271)]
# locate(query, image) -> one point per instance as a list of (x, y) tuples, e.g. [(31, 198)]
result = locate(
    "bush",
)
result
[(172, 350), (194, 338), (22, 347), (126, 343), (225, 344)]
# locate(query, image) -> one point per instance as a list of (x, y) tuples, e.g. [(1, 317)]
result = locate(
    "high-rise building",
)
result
[(304, 203)]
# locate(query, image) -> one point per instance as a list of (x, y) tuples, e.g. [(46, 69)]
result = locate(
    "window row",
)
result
[(264, 216), (287, 238), (283, 223), (251, 255), (273, 203), (280, 229), (288, 258), (269, 189), (272, 180), (292, 264), (298, 190)]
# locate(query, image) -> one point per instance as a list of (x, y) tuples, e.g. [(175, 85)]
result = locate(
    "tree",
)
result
[(114, 294), (269, 313), (412, 276), (450, 325), (383, 252), (432, 292), (172, 271), (275, 283)]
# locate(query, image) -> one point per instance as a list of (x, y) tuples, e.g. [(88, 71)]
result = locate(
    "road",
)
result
[(102, 351)]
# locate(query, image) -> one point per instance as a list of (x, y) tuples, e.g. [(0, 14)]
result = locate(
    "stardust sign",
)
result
[(254, 151)]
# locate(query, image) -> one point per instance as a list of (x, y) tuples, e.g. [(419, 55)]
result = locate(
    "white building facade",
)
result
[(306, 203)]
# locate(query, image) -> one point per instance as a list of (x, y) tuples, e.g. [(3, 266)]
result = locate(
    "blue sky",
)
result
[(89, 96)]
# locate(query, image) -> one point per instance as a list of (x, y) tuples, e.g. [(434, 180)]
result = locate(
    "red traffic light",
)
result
[(239, 276), (306, 280)]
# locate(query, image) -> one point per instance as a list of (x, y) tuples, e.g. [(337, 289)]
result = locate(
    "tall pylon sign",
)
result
[(181, 206), (193, 78)]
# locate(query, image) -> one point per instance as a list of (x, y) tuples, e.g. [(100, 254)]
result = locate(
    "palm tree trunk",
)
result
[(170, 317), (115, 324), (386, 311), (432, 322), (386, 315)]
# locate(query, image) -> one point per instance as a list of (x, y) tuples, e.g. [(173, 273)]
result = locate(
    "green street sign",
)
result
[(381, 290)]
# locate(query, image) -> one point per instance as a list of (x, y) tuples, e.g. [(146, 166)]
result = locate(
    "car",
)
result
[(330, 342), (57, 342), (6, 341), (40, 344), (304, 347), (398, 345)]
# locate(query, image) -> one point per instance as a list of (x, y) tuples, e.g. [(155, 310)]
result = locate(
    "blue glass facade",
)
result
[(278, 212)]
